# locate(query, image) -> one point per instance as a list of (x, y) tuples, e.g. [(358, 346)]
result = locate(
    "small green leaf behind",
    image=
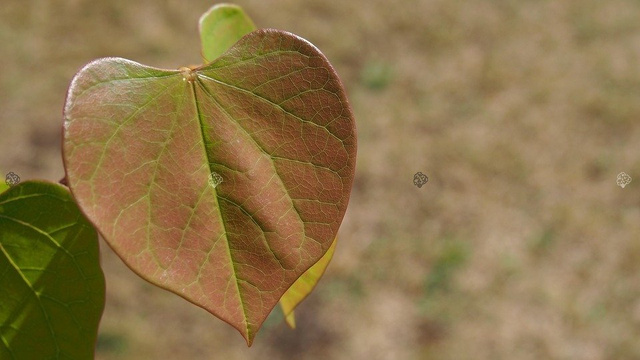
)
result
[(304, 285), (3, 186), (53, 289), (221, 27)]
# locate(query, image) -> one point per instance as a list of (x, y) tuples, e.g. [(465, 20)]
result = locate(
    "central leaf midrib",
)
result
[(215, 193)]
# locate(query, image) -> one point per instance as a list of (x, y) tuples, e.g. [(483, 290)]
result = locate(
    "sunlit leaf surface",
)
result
[(223, 183)]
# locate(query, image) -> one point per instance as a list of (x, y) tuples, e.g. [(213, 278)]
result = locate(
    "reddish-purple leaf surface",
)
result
[(222, 183)]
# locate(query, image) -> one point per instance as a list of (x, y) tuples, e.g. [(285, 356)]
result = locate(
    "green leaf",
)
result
[(3, 186), (53, 289), (304, 285), (290, 319), (221, 27), (224, 183)]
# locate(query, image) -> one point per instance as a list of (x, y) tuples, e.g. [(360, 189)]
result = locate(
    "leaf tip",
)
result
[(290, 319), (249, 337)]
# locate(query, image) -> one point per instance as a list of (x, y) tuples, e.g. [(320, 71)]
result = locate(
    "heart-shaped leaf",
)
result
[(223, 183), (221, 27), (52, 293), (304, 285)]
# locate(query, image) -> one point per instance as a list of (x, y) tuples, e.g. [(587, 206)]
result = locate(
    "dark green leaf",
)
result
[(53, 289)]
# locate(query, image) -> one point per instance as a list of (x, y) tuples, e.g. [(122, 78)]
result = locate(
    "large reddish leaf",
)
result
[(222, 183)]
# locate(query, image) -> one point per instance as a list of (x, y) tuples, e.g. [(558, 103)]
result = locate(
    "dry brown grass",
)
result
[(521, 113)]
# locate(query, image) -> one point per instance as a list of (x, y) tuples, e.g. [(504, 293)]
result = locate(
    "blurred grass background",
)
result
[(522, 113)]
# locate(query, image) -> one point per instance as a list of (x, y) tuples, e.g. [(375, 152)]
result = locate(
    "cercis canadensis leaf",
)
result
[(53, 290), (269, 118)]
